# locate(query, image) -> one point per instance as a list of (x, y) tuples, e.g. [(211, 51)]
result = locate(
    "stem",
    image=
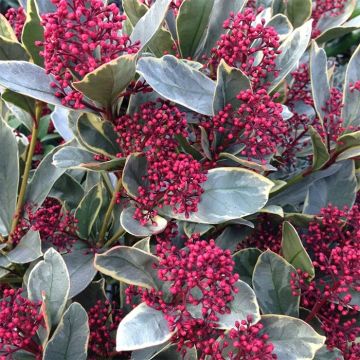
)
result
[(108, 213), (115, 237), (28, 165)]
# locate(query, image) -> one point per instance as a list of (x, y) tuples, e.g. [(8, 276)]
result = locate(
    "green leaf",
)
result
[(294, 251), (229, 193), (129, 265), (105, 84), (143, 244), (21, 101), (27, 250), (351, 110), (175, 80), (351, 153), (298, 11), (150, 23), (33, 31), (319, 80), (97, 135), (134, 169), (320, 153), (6, 30), (45, 176), (141, 328), (220, 12), (348, 141), (245, 261), (49, 282), (133, 227), (71, 338), (281, 24), (339, 189), (230, 81), (71, 157), (19, 76), (243, 305), (9, 178), (292, 50), (134, 10), (325, 354), (80, 265), (191, 24), (88, 210), (258, 166), (194, 228), (271, 282), (12, 50), (292, 338)]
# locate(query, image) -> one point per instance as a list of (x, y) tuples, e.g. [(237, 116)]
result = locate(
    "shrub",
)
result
[(179, 180)]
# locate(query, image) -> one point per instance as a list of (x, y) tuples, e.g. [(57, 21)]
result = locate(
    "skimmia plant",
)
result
[(179, 180)]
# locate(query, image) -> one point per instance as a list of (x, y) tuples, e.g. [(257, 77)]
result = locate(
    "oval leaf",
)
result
[(27, 250), (141, 328), (271, 282)]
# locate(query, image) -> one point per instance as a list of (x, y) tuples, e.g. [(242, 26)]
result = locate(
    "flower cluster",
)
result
[(55, 225), (249, 343), (326, 7), (172, 179), (333, 241), (80, 36), (201, 285), (104, 319), (242, 45), (16, 17), (20, 319), (256, 127)]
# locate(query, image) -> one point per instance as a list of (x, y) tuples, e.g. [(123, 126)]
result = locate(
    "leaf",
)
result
[(12, 50), (281, 24), (141, 328), (351, 110), (191, 24), (45, 176), (6, 30), (294, 251), (220, 12), (229, 193), (292, 338), (23, 102), (298, 11), (243, 306), (80, 265), (349, 154), (133, 226), (319, 80), (325, 354), (321, 155), (51, 278), (27, 250), (19, 76), (105, 84), (134, 10), (149, 24), (177, 81), (291, 51), (129, 265), (62, 121), (258, 166), (71, 338), (88, 210), (134, 169), (271, 282), (230, 81), (338, 190), (97, 135), (348, 141), (143, 244), (9, 175), (33, 31), (194, 228), (245, 261)]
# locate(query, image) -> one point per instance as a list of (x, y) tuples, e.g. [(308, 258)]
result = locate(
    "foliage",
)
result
[(179, 180)]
